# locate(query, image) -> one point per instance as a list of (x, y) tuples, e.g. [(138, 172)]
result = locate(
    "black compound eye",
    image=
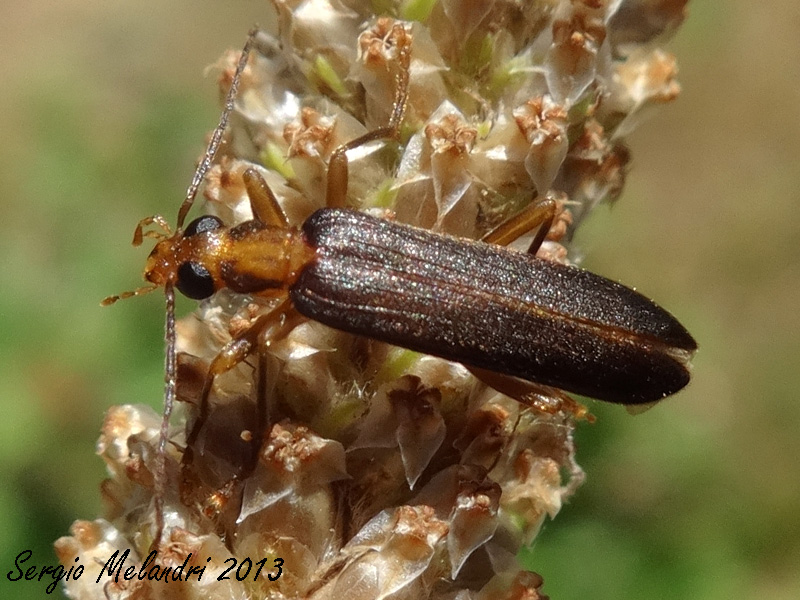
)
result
[(202, 225), (194, 281)]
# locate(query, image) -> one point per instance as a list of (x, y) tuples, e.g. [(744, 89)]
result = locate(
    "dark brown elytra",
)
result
[(504, 313), (489, 307)]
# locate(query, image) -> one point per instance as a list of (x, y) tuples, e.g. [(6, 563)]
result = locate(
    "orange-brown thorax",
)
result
[(249, 258)]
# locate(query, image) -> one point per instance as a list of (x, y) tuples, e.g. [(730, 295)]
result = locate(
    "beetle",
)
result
[(476, 303), (479, 303)]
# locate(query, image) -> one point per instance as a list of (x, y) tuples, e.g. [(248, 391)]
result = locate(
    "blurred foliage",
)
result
[(104, 112)]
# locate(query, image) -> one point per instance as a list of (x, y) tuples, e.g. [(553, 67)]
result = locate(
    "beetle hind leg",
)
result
[(540, 213), (541, 398)]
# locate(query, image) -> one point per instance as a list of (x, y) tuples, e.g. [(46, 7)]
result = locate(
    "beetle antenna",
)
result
[(216, 137), (170, 381)]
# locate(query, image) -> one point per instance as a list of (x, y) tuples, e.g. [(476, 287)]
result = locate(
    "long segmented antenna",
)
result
[(170, 382), (171, 366), (216, 137)]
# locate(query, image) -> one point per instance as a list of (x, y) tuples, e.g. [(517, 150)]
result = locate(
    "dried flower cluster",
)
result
[(378, 472)]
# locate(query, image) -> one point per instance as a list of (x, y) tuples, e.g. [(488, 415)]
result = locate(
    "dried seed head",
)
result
[(373, 471)]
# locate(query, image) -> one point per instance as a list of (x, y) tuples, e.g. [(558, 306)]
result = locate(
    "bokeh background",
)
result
[(103, 110)]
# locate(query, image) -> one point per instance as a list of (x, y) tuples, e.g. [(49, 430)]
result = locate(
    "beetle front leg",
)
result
[(263, 203), (265, 330)]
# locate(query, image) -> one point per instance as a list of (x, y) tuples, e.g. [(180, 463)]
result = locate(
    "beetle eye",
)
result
[(194, 281), (202, 225)]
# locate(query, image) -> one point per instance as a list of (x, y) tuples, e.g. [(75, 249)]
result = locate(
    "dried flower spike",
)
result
[(369, 470)]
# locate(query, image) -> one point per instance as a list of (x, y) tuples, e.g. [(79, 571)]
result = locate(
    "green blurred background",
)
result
[(103, 110)]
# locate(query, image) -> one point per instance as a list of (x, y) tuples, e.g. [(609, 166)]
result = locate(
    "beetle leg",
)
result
[(336, 192), (262, 201), (213, 500), (540, 213), (266, 329), (542, 398)]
